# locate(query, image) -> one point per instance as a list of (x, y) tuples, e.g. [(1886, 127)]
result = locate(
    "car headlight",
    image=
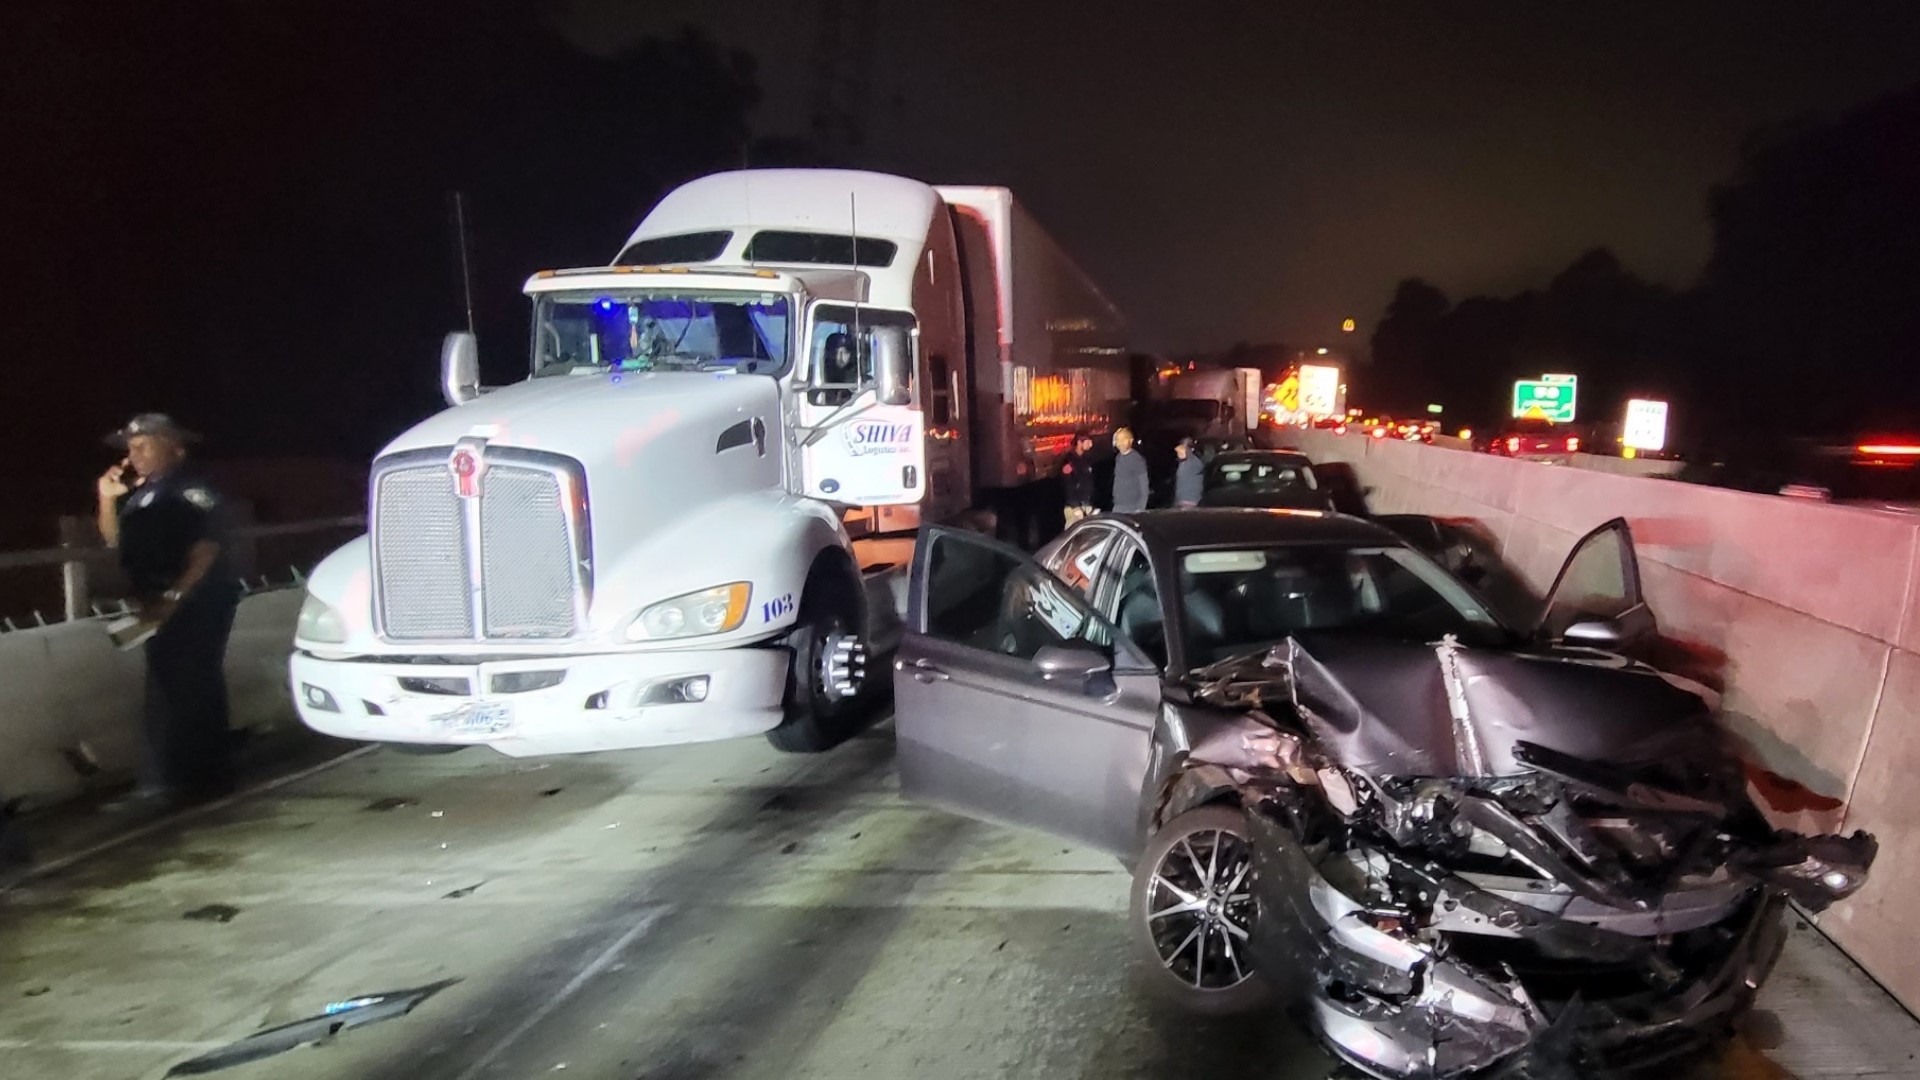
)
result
[(319, 622), (697, 614)]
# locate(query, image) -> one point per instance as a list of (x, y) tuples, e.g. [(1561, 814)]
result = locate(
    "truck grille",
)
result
[(518, 531)]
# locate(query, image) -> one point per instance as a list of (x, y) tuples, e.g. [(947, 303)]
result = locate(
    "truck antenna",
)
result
[(460, 241)]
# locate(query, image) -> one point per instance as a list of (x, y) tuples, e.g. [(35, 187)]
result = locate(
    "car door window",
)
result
[(985, 597), (1600, 580), (1079, 557), (1131, 599)]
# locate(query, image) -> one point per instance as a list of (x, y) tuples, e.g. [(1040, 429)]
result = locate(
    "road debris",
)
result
[(220, 913), (391, 802), (468, 891), (337, 1017)]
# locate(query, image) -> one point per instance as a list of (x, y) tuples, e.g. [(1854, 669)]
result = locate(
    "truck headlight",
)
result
[(319, 622), (709, 611)]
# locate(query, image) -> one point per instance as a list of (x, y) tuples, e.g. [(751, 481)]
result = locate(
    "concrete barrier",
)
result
[(64, 689), (1801, 613)]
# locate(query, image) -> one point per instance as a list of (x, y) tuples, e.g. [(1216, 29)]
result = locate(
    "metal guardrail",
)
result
[(74, 559)]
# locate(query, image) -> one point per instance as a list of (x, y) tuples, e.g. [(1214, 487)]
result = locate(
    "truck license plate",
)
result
[(476, 718)]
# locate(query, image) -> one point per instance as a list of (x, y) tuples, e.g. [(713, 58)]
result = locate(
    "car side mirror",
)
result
[(1057, 662), (892, 365), (460, 368), (1595, 633)]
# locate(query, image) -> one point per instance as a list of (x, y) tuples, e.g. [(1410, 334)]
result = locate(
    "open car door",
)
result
[(1014, 700), (1596, 600)]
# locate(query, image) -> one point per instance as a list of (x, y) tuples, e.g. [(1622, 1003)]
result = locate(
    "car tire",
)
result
[(1184, 853), (815, 717)]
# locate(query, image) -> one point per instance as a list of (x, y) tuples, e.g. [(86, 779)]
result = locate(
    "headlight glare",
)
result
[(709, 611), (320, 622)]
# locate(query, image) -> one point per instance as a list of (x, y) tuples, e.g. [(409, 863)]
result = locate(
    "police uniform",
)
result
[(188, 737)]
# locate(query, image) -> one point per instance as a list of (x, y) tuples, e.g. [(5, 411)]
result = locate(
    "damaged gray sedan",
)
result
[(1348, 789)]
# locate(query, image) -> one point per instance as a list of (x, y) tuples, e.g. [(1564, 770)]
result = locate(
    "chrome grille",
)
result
[(510, 563), (526, 555), (420, 553)]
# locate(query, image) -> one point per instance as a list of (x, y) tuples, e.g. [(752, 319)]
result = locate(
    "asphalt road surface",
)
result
[(716, 911)]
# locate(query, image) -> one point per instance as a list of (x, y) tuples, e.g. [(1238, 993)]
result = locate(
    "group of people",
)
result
[(1131, 489)]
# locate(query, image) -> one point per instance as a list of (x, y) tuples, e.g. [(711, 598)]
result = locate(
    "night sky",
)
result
[(1238, 171), (221, 211)]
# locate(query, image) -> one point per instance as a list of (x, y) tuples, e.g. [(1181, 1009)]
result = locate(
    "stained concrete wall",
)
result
[(1801, 612), (65, 688)]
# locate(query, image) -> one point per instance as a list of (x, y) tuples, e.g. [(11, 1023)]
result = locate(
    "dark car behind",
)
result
[(1269, 479)]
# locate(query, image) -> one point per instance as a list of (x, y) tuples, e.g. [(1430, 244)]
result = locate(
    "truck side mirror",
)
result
[(892, 365), (460, 368)]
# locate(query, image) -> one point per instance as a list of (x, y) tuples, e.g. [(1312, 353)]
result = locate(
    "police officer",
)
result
[(168, 524)]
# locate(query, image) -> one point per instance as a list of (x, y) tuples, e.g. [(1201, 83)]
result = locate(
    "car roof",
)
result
[(1290, 457), (1174, 530)]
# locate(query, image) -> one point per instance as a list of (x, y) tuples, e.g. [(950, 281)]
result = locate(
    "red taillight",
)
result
[(1513, 444), (1573, 444), (1889, 450)]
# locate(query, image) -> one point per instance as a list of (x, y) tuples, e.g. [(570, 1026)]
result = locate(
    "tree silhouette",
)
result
[(1808, 297)]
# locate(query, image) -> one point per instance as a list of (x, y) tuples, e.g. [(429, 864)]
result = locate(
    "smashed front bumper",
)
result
[(1498, 982)]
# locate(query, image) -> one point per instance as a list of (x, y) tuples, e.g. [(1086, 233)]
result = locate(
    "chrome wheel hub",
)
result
[(843, 666)]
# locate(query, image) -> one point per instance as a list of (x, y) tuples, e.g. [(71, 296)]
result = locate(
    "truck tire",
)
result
[(818, 714)]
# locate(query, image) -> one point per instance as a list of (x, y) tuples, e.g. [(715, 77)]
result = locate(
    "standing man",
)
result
[(1189, 475), (168, 525), (1077, 476), (1129, 474)]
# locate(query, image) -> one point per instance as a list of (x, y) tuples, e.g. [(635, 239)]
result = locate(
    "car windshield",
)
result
[(1270, 476), (660, 331), (1239, 600)]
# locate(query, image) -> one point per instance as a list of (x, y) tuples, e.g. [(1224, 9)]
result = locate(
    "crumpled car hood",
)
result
[(1410, 709)]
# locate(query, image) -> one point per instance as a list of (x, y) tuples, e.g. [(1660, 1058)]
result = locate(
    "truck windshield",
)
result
[(660, 331)]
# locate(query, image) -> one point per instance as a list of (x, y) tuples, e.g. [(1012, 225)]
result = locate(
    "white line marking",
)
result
[(90, 1045), (598, 964)]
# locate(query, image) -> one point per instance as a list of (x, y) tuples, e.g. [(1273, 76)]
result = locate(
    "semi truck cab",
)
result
[(645, 541)]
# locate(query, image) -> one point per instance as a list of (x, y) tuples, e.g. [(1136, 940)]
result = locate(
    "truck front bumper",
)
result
[(555, 705)]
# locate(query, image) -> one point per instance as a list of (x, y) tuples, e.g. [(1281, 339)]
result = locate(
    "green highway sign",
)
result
[(1549, 398)]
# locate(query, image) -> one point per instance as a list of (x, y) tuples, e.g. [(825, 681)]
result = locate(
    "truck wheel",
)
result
[(827, 678)]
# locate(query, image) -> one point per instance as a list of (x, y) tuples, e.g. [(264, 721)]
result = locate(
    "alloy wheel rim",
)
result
[(1200, 910)]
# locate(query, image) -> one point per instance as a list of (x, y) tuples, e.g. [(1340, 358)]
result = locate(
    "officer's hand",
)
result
[(157, 613), (110, 485)]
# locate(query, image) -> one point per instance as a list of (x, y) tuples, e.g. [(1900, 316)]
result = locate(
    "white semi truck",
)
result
[(646, 541)]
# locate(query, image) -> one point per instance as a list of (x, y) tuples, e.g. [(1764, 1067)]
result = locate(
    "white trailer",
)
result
[(1236, 393), (643, 543)]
